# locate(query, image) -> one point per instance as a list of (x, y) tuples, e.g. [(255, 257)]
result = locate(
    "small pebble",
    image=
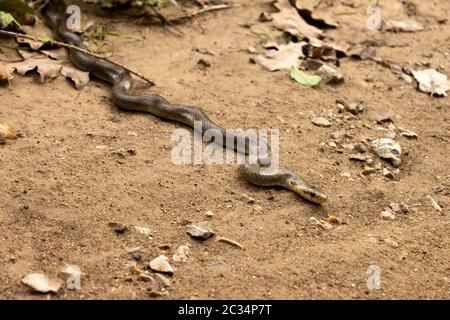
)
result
[(181, 254), (387, 215), (200, 230), (399, 207), (321, 122), (323, 224), (388, 174), (119, 228), (409, 134), (387, 149), (391, 243), (161, 264), (2, 138)]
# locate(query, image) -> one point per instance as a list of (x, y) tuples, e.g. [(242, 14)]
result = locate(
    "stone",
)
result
[(2, 138), (200, 230), (387, 149), (323, 224), (181, 254), (357, 157), (388, 174), (41, 283), (338, 136), (387, 215), (391, 243), (162, 281), (161, 264), (399, 207), (119, 228), (321, 122)]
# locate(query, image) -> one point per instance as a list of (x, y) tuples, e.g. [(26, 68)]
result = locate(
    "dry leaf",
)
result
[(409, 25), (49, 65), (80, 78), (362, 51), (319, 18), (8, 131), (284, 58), (431, 81), (47, 69), (5, 75), (289, 20), (38, 30)]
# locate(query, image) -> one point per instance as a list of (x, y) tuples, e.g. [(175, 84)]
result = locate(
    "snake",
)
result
[(54, 14)]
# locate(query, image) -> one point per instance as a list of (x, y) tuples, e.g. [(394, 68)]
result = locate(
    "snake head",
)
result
[(307, 191)]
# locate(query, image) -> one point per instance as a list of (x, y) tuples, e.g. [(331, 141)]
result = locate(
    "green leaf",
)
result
[(6, 19), (305, 79)]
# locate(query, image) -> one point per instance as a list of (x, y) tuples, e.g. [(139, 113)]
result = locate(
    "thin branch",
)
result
[(204, 10), (69, 46)]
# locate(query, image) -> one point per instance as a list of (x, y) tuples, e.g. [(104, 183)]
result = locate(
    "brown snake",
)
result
[(122, 82)]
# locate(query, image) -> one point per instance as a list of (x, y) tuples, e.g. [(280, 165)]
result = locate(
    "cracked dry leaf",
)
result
[(4, 74), (8, 131), (47, 68), (408, 25), (80, 78), (285, 57), (319, 18), (289, 20), (431, 81)]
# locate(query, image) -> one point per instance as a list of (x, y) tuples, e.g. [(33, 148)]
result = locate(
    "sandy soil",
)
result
[(61, 184)]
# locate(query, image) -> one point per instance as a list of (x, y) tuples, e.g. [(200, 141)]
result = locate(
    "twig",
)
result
[(69, 46), (204, 10)]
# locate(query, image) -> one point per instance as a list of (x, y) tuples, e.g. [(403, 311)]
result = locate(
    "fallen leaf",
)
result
[(408, 25), (38, 30), (47, 69), (305, 79), (289, 20), (49, 65), (4, 74), (285, 57), (8, 131), (431, 81), (80, 78), (317, 18)]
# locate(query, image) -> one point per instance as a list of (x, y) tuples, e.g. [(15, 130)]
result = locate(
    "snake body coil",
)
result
[(122, 83)]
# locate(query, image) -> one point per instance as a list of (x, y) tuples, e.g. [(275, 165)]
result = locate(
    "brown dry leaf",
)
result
[(326, 50), (317, 17), (289, 20), (408, 25), (4, 74), (8, 131), (38, 30), (80, 78), (285, 57), (47, 68), (431, 81)]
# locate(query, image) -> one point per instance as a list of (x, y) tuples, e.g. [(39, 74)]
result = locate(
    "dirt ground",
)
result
[(62, 184)]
